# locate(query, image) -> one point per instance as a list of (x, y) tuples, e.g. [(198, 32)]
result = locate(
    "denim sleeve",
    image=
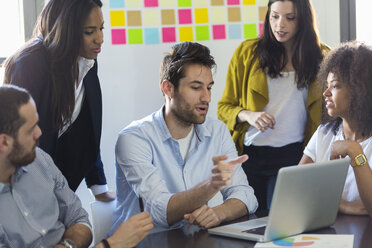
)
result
[(71, 211), (239, 188), (134, 158)]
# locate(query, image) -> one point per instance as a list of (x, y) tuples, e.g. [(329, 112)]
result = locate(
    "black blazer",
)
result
[(77, 156)]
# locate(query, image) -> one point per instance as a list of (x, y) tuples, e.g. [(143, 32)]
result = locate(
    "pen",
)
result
[(140, 203)]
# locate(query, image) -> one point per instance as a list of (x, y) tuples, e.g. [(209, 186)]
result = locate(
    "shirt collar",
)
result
[(84, 66), (17, 174), (201, 130)]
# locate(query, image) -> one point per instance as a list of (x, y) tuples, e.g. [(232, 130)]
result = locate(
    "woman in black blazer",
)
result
[(59, 68)]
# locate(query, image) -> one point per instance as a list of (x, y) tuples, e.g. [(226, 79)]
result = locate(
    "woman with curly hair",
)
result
[(271, 104), (346, 129)]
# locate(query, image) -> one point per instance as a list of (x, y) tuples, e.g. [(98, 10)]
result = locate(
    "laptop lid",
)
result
[(306, 198)]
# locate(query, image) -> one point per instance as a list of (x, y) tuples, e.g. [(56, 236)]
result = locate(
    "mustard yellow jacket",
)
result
[(246, 88)]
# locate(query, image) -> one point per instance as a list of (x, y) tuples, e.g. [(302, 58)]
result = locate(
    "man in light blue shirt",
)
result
[(37, 207), (177, 159)]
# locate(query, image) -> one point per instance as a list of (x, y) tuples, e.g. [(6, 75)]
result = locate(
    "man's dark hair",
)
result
[(183, 54), (12, 98), (352, 65)]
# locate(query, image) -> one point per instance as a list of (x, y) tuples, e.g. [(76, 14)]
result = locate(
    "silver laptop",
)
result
[(306, 198)]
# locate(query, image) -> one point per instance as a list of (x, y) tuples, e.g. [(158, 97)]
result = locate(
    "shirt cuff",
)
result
[(98, 189)]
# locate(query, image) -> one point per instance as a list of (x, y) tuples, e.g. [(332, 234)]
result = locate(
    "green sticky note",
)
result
[(250, 31), (135, 36), (184, 3), (202, 32)]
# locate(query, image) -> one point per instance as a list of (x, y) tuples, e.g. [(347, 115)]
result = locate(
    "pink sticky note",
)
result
[(219, 32), (118, 36), (151, 3), (260, 29), (169, 34), (184, 16), (233, 2)]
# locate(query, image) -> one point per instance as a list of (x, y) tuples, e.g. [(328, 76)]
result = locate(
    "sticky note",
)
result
[(250, 13), (184, 3), (201, 15), (233, 14), (186, 34), (133, 3), (118, 36), (169, 34), (116, 4), (250, 31), (134, 18), (167, 3), (184, 16), (135, 36), (117, 18), (152, 36), (260, 29), (262, 13), (262, 2), (219, 32), (218, 14), (233, 2), (249, 2), (234, 31), (168, 17), (202, 32), (151, 17), (151, 3), (217, 3), (201, 3)]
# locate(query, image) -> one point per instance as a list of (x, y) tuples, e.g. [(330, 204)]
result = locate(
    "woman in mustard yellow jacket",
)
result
[(271, 103)]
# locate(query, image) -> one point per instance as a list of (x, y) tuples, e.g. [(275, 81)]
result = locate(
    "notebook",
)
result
[(306, 198)]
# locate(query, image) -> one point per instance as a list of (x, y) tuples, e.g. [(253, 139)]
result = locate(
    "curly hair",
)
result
[(352, 65), (174, 64)]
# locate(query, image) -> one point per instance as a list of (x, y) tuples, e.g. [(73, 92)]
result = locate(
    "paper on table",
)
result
[(312, 241)]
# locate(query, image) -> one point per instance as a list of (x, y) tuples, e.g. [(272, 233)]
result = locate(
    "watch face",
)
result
[(360, 159)]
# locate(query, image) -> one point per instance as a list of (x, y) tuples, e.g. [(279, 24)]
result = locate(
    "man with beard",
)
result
[(176, 159), (37, 208)]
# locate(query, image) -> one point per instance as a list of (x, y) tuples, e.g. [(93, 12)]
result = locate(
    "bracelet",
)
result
[(105, 243)]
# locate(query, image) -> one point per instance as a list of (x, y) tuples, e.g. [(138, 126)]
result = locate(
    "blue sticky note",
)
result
[(114, 4), (235, 31), (152, 36)]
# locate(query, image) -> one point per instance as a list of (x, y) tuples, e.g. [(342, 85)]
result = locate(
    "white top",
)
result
[(287, 104), (319, 149), (184, 143), (84, 66)]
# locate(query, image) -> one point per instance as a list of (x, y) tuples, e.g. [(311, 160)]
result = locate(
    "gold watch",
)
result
[(359, 160)]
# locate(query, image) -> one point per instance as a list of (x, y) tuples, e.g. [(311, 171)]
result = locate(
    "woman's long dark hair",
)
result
[(352, 65), (59, 30), (306, 54)]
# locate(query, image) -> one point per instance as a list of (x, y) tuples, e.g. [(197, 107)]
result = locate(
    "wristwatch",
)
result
[(67, 243), (359, 160)]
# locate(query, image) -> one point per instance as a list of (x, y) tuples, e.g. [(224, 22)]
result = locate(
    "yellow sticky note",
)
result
[(250, 13), (186, 34), (117, 18), (151, 17), (218, 15), (249, 2), (201, 15)]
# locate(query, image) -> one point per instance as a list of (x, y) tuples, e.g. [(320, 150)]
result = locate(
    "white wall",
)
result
[(129, 76)]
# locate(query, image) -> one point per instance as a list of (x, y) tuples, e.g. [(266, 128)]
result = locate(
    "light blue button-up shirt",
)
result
[(149, 163), (38, 206)]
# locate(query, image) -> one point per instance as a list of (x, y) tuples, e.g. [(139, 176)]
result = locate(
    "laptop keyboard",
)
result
[(258, 230)]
